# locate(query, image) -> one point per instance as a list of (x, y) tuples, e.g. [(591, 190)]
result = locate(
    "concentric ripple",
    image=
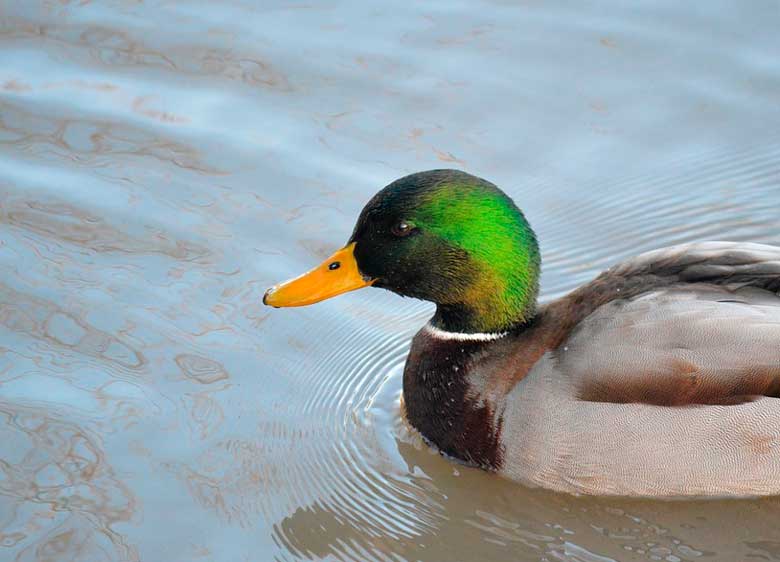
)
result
[(165, 162), (353, 389), (364, 467), (716, 196)]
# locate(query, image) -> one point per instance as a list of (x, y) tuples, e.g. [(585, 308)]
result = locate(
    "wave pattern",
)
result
[(163, 163)]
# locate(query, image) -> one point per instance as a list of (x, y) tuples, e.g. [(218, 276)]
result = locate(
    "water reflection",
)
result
[(63, 499), (163, 163), (481, 519)]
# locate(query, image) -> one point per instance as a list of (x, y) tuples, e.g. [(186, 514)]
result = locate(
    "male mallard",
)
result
[(661, 377)]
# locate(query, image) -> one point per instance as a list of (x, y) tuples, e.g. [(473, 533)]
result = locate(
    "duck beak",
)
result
[(337, 274)]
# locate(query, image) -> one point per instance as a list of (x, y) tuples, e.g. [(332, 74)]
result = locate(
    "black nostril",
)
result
[(334, 265)]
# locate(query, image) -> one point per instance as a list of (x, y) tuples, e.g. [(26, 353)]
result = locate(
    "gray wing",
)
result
[(732, 264), (696, 324)]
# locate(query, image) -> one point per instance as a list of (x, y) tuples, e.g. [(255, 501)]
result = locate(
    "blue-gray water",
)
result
[(162, 163)]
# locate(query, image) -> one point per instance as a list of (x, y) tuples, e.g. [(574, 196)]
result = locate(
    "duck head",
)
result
[(443, 236)]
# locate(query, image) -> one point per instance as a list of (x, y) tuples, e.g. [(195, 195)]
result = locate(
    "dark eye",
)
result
[(402, 228)]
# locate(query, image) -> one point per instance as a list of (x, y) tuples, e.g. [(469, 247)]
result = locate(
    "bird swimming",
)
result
[(659, 378)]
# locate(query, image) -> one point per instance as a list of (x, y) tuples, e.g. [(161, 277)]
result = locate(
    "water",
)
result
[(162, 163)]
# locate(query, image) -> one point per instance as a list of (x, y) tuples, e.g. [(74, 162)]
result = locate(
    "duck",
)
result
[(659, 378)]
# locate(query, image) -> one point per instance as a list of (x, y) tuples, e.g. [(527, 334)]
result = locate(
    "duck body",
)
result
[(659, 378)]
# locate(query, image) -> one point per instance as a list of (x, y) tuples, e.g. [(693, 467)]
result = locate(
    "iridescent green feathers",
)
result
[(471, 251), (476, 216)]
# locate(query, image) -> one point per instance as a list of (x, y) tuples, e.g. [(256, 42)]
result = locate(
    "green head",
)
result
[(456, 240)]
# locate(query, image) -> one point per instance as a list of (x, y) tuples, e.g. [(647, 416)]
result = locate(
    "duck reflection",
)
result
[(459, 513)]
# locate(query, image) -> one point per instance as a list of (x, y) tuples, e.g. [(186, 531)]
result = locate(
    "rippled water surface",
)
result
[(162, 162)]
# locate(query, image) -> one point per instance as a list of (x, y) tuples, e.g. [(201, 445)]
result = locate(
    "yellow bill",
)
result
[(337, 274)]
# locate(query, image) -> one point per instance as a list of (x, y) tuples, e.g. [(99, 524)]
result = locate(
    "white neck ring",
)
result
[(463, 336)]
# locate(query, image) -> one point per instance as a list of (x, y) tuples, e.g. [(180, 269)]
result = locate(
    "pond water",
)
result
[(162, 163)]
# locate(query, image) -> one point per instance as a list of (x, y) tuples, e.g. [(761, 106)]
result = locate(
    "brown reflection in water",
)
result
[(163, 161), (46, 321), (333, 529), (769, 550), (85, 139), (113, 47), (64, 496), (15, 86), (239, 480), (65, 222), (201, 369), (141, 105), (205, 412), (232, 480), (484, 517), (316, 532)]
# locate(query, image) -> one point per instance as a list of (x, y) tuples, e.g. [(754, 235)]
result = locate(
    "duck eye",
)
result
[(402, 228)]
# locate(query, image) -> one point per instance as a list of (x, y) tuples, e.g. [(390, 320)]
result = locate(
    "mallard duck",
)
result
[(661, 377)]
